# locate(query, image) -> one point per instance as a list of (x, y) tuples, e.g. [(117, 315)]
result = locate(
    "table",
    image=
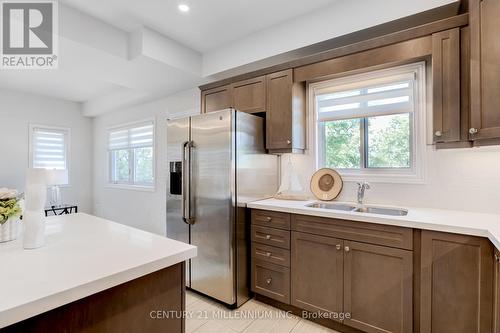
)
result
[(60, 210)]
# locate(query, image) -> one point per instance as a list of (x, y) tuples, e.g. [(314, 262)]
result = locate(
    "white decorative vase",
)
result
[(9, 230), (34, 229), (33, 216)]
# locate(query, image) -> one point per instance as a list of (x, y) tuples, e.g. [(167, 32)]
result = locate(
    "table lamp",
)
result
[(56, 178)]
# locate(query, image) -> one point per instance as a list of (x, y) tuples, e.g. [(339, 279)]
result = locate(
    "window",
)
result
[(49, 147), (131, 154), (372, 124)]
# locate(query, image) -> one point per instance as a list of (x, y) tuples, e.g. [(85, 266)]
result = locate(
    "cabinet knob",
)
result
[(268, 254), (473, 130), (288, 142), (268, 236), (269, 219), (268, 281), (338, 247), (347, 249), (497, 258), (438, 133)]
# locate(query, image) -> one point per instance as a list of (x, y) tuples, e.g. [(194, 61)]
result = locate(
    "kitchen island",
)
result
[(93, 275)]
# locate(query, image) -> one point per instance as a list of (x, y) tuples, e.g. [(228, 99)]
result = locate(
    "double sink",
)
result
[(360, 209)]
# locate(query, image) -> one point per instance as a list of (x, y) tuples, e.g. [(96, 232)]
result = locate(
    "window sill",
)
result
[(131, 187)]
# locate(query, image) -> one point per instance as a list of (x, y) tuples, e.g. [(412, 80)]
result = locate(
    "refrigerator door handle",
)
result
[(186, 183)]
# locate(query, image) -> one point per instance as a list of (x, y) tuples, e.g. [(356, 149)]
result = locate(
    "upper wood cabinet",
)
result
[(285, 117), (247, 96), (216, 99), (250, 95), (276, 95), (451, 77), (485, 69), (446, 85), (456, 283)]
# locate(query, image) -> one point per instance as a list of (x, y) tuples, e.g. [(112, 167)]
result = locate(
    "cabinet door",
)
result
[(279, 110), (485, 69), (216, 99), (446, 85), (250, 95), (316, 268), (456, 284), (496, 295), (378, 284)]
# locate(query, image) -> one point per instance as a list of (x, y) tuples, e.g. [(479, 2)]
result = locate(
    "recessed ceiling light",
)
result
[(183, 8)]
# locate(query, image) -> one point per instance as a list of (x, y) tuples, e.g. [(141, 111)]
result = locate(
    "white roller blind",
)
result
[(390, 95), (49, 148), (135, 136)]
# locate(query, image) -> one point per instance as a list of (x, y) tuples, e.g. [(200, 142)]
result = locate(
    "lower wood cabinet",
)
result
[(496, 294), (456, 284), (378, 288), (271, 280), (374, 277), (373, 284), (317, 273)]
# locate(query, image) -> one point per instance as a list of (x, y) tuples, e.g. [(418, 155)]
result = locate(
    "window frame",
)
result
[(131, 184), (31, 149), (416, 174)]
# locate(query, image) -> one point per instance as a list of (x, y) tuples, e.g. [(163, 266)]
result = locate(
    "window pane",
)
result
[(49, 148), (342, 144), (121, 164), (389, 141), (143, 165)]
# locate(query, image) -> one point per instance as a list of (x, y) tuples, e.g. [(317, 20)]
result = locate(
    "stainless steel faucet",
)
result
[(361, 191)]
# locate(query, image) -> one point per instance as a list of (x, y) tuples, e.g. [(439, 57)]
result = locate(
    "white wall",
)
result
[(342, 17), (140, 209), (17, 111), (459, 179)]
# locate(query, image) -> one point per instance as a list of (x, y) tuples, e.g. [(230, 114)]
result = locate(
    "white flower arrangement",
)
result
[(10, 204)]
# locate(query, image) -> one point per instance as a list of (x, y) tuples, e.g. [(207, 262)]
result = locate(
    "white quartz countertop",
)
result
[(83, 255), (460, 222)]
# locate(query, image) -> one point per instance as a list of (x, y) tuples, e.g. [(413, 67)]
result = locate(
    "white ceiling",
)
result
[(209, 23), (114, 53)]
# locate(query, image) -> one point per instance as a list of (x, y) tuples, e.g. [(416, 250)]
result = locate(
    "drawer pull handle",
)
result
[(347, 249), (268, 281), (338, 247), (268, 236), (269, 219), (268, 254)]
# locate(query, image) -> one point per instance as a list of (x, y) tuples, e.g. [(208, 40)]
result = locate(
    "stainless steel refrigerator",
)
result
[(217, 163)]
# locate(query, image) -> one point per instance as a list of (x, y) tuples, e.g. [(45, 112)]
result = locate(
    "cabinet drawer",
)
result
[(271, 236), (365, 232), (271, 219), (271, 254), (271, 280)]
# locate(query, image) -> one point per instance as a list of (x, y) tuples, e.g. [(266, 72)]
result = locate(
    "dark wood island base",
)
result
[(151, 303)]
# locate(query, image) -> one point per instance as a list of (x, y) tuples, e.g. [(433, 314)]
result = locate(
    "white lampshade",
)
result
[(57, 177), (36, 176)]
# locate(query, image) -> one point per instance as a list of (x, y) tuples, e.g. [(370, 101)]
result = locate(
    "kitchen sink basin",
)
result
[(334, 206), (382, 211), (362, 209)]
